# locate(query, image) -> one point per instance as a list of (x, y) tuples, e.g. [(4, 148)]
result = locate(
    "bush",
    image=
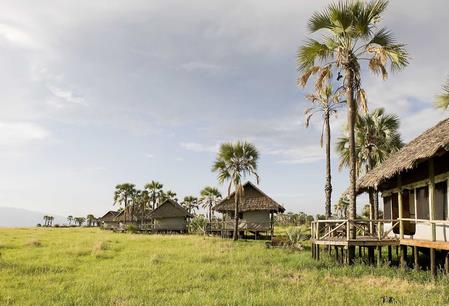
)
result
[(197, 224), (38, 225), (56, 225), (131, 228)]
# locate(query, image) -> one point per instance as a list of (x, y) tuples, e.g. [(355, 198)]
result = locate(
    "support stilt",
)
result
[(415, 258), (390, 255), (379, 256), (403, 259), (433, 263)]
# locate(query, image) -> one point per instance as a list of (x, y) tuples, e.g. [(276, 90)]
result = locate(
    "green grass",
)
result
[(93, 267)]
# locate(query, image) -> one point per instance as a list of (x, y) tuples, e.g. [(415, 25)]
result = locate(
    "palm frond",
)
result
[(312, 52)]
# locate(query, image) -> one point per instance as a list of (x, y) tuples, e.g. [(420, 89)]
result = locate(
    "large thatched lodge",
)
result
[(256, 213), (413, 183)]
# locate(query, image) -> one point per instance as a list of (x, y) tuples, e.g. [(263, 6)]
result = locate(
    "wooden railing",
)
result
[(228, 225), (341, 229)]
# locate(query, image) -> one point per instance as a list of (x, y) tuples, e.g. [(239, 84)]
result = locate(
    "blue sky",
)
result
[(96, 93)]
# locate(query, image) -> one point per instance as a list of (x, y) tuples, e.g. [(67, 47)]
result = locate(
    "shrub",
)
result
[(56, 225), (131, 228), (38, 225), (197, 224)]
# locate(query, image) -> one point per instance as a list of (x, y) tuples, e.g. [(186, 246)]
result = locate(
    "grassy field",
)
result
[(93, 267)]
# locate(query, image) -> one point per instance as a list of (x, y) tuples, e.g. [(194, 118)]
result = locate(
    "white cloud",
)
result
[(201, 66), (149, 155), (66, 96), (18, 37), (198, 147), (299, 155), (20, 133)]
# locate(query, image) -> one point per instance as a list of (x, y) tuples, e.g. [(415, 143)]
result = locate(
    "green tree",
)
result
[(90, 220), (342, 206), (142, 203), (70, 219), (442, 100), (191, 204), (79, 220), (233, 163), (123, 196), (209, 197), (168, 195), (45, 220), (352, 36), (154, 189), (325, 103), (377, 136)]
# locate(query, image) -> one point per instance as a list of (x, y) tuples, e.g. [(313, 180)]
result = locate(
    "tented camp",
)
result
[(256, 212), (170, 217), (413, 183), (108, 221)]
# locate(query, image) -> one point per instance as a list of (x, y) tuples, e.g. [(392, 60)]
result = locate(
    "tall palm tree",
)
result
[(45, 220), (190, 203), (377, 136), (123, 195), (142, 203), (442, 100), (50, 220), (168, 195), (90, 220), (325, 103), (352, 37), (70, 219), (342, 206), (209, 196), (233, 163), (154, 189)]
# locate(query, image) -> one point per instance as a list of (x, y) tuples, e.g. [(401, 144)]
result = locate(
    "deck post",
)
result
[(432, 197), (433, 263), (336, 253), (272, 225), (343, 259), (371, 255), (317, 251), (403, 260), (415, 258), (390, 255), (446, 263)]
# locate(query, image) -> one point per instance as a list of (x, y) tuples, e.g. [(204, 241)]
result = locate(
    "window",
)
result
[(441, 201), (422, 203), (387, 208)]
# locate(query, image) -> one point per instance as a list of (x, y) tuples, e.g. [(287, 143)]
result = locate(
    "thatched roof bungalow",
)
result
[(170, 217), (255, 211), (108, 219), (414, 184)]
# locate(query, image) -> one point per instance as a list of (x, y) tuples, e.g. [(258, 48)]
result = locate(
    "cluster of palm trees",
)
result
[(351, 37), (139, 203), (90, 220), (48, 220)]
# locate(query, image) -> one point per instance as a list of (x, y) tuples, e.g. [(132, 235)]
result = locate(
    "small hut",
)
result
[(108, 221), (414, 183), (170, 217), (256, 211)]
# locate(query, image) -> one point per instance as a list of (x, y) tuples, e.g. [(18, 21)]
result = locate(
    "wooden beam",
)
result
[(379, 256), (440, 245), (400, 208), (403, 254), (390, 255), (432, 197)]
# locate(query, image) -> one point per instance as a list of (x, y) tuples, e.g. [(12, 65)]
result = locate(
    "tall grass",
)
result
[(94, 267)]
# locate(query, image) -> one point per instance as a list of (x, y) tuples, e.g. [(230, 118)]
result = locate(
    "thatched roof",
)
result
[(254, 199), (433, 142), (109, 216), (169, 209)]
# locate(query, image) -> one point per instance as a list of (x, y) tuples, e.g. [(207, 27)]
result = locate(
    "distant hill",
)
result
[(15, 217)]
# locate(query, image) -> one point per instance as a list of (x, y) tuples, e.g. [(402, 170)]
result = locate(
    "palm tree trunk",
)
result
[(236, 215), (328, 187), (352, 158), (349, 84)]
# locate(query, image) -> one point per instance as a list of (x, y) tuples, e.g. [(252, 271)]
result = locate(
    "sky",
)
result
[(96, 93)]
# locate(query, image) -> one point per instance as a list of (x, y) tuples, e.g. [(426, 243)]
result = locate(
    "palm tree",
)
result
[(352, 37), (326, 103), (342, 206), (190, 203), (45, 220), (154, 189), (90, 220), (50, 220), (70, 219), (123, 195), (80, 220), (442, 100), (168, 195), (377, 136), (142, 202), (209, 196), (233, 163)]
